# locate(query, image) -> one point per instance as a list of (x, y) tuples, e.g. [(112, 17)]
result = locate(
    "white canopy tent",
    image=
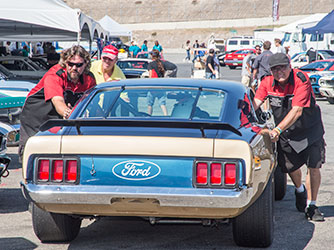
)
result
[(46, 20), (302, 23), (114, 28)]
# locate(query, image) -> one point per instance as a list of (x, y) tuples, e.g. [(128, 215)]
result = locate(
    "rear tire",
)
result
[(255, 226), (232, 67), (280, 180), (330, 100), (52, 227)]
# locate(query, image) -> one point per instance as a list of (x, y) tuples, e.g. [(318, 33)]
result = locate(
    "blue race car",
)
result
[(154, 148)]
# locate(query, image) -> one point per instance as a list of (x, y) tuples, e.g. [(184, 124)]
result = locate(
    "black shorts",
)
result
[(313, 156)]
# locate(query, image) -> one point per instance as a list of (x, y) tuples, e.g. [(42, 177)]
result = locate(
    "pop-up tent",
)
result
[(325, 25), (114, 28), (46, 20)]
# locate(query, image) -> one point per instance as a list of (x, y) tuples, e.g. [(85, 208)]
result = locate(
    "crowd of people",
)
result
[(33, 50)]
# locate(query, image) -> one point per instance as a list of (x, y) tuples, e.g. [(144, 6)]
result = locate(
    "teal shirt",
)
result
[(144, 47), (158, 47)]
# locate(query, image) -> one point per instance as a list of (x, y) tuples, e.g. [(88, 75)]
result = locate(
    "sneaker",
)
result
[(312, 212), (301, 200)]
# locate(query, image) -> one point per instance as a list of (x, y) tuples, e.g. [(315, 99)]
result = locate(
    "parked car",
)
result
[(206, 159), (134, 67), (5, 131), (234, 59), (12, 98), (22, 66), (40, 61), (5, 74), (221, 57), (321, 65), (327, 87), (314, 79), (300, 59)]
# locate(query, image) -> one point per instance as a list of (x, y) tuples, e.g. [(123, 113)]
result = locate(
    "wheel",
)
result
[(52, 227), (255, 226), (232, 67), (280, 180), (330, 100)]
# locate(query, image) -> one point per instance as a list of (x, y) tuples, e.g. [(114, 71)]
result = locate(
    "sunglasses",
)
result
[(79, 65)]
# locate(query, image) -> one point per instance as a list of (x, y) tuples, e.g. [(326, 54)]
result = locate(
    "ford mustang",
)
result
[(176, 148)]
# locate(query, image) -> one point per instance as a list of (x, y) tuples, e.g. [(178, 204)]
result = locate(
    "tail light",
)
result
[(57, 170), (202, 173), (43, 170), (71, 171), (230, 174), (61, 170), (218, 174)]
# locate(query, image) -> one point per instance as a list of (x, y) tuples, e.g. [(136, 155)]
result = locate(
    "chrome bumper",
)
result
[(327, 91), (168, 197)]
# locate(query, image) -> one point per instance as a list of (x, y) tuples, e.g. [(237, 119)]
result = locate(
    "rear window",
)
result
[(132, 64), (244, 42), (156, 102)]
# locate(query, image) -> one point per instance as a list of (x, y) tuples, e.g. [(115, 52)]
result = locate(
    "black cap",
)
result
[(278, 59)]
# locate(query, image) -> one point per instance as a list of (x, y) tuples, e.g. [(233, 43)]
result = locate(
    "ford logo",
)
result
[(136, 170)]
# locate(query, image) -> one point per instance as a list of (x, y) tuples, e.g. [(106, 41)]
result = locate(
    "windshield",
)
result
[(132, 64), (156, 102), (318, 65)]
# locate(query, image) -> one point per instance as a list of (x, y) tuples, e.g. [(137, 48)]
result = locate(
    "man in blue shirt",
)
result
[(134, 49)]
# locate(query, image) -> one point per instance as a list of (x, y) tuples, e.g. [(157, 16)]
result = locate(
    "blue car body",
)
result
[(205, 158)]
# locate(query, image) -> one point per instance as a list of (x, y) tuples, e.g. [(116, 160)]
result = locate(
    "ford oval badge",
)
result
[(136, 170)]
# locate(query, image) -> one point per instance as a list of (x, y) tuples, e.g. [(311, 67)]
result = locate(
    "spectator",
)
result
[(246, 70), (210, 72), (106, 69), (52, 57), (144, 47), (134, 49), (299, 131), (157, 46), (24, 51), (187, 51), (157, 69), (199, 53), (39, 49), (57, 92), (279, 47), (287, 49), (261, 66), (195, 47), (7, 46)]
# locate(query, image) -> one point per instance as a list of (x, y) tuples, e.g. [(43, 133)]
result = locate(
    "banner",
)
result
[(275, 10)]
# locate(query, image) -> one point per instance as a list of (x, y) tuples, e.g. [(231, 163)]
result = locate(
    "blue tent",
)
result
[(325, 25)]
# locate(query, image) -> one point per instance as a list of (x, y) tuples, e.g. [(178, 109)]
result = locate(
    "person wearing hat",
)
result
[(56, 93), (299, 130), (105, 70)]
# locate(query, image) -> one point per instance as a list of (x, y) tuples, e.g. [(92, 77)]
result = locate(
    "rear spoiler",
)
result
[(136, 123)]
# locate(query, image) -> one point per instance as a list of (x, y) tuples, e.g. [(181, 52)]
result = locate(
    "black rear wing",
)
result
[(136, 123)]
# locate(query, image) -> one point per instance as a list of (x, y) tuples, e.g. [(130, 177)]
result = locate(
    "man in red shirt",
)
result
[(57, 92), (299, 132)]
